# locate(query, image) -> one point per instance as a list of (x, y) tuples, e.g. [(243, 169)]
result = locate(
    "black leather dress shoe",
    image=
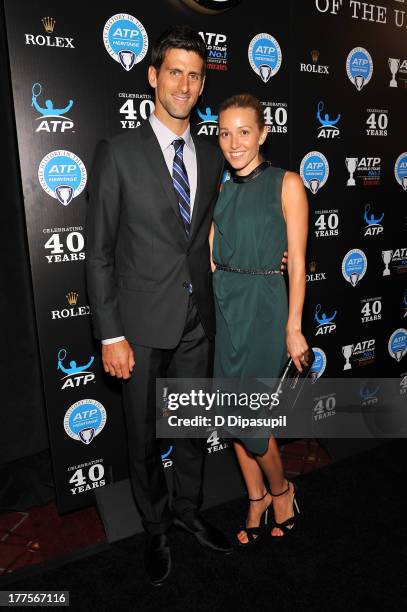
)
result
[(157, 558), (206, 534)]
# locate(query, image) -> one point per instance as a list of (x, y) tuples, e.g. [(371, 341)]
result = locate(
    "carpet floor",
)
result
[(348, 551)]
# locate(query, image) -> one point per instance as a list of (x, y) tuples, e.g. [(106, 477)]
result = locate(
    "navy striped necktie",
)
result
[(181, 184)]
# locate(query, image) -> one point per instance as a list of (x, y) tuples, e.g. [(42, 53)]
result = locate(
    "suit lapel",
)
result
[(156, 159), (199, 208)]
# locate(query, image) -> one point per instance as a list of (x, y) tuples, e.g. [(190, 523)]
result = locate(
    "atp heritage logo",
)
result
[(265, 56), (397, 344), (125, 39), (400, 170), (359, 67), (84, 420), (319, 365), (354, 266), (51, 119), (314, 171), (62, 175)]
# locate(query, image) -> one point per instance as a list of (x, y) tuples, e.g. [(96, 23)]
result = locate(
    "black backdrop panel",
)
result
[(70, 91)]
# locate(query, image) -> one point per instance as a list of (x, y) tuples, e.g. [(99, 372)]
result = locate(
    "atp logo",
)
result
[(324, 322), (208, 123), (51, 119), (328, 127), (373, 225), (75, 375)]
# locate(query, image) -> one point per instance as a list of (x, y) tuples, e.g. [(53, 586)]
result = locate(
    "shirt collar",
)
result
[(166, 137)]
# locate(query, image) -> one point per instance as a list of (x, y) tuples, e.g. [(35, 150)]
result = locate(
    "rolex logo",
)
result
[(312, 266), (48, 23), (314, 55), (72, 298)]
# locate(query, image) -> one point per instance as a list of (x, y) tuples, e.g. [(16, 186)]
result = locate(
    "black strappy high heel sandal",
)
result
[(288, 525), (254, 533)]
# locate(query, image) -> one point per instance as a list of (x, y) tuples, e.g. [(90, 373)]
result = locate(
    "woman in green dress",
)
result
[(261, 210)]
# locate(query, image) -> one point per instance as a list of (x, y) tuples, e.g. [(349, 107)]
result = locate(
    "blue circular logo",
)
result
[(359, 67), (62, 175), (314, 170), (400, 170), (319, 365), (398, 344), (125, 39), (265, 56), (84, 420), (354, 266)]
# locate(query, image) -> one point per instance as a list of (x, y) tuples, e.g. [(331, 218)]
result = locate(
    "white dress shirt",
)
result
[(165, 139)]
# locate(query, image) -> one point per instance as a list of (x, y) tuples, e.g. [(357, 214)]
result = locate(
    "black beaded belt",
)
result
[(241, 271)]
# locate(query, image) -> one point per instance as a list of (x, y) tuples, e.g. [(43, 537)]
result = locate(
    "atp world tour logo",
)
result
[(62, 175), (314, 171), (354, 266), (400, 170), (84, 420), (265, 56), (359, 67), (398, 344), (125, 39)]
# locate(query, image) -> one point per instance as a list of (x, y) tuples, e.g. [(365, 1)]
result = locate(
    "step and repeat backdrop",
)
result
[(332, 77)]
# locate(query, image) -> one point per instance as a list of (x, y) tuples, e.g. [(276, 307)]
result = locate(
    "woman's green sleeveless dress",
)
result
[(251, 310)]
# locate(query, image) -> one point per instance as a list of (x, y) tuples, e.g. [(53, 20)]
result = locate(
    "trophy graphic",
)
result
[(359, 81), (64, 194), (404, 183), (265, 72), (87, 435), (351, 164), (394, 66), (347, 351), (399, 354), (386, 256), (314, 185), (127, 59)]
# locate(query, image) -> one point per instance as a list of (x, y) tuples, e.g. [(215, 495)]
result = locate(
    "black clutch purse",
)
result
[(292, 381)]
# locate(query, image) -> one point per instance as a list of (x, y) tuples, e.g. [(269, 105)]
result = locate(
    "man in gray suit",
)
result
[(151, 198)]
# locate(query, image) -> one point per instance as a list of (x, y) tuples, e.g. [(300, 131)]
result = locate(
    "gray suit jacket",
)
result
[(138, 256)]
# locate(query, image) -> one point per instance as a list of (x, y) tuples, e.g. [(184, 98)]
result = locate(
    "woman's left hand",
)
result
[(296, 346)]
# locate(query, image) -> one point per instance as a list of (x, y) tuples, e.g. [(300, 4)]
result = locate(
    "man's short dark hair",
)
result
[(177, 37)]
